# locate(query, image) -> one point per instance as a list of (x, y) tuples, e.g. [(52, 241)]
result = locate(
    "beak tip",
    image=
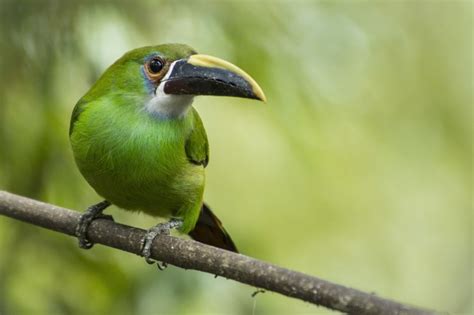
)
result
[(262, 99), (258, 93)]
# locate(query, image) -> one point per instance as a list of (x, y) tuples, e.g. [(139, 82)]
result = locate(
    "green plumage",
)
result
[(139, 164), (139, 143), (133, 159)]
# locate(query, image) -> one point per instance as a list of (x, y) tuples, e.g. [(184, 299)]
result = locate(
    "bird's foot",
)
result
[(85, 220), (159, 229)]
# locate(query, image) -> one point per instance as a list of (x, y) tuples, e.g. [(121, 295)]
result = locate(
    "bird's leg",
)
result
[(92, 213), (161, 228)]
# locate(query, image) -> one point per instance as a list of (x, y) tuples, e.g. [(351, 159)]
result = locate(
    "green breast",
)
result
[(136, 161)]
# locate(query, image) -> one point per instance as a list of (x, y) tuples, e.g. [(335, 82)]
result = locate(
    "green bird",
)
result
[(141, 145)]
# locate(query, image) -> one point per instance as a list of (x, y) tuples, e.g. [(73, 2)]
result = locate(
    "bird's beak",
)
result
[(207, 75)]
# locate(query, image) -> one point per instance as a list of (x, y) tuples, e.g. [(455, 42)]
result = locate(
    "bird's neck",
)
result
[(164, 106)]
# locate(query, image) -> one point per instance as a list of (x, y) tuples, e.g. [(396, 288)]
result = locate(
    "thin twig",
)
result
[(189, 254)]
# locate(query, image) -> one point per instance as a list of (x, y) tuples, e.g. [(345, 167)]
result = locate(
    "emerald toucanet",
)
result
[(142, 146)]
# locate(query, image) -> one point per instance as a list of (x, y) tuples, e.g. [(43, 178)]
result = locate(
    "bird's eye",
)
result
[(155, 65)]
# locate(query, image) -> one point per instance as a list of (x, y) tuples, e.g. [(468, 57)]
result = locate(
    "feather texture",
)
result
[(138, 162)]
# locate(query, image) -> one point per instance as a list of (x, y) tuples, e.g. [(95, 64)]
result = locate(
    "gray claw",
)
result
[(85, 220), (159, 229)]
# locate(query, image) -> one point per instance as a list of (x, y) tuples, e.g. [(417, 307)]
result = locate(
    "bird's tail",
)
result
[(209, 230)]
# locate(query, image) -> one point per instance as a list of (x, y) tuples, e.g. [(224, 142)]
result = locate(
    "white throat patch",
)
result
[(166, 105)]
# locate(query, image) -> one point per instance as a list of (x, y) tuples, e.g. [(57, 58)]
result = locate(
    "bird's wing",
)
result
[(197, 146)]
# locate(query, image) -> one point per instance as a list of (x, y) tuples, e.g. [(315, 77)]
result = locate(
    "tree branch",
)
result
[(189, 254)]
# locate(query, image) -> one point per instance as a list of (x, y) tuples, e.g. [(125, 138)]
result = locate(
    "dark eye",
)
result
[(155, 65)]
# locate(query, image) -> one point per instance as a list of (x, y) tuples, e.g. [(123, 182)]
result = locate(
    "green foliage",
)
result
[(358, 168)]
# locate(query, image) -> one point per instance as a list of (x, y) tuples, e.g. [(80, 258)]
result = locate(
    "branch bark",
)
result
[(189, 254)]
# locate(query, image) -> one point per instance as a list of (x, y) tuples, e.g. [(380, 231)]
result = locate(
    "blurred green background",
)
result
[(357, 170)]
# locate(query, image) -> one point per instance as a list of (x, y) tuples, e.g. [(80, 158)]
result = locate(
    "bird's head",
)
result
[(165, 79)]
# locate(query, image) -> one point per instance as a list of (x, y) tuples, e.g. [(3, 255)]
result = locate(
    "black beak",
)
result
[(206, 75)]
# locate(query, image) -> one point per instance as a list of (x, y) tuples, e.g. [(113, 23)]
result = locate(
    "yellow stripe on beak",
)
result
[(214, 62)]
